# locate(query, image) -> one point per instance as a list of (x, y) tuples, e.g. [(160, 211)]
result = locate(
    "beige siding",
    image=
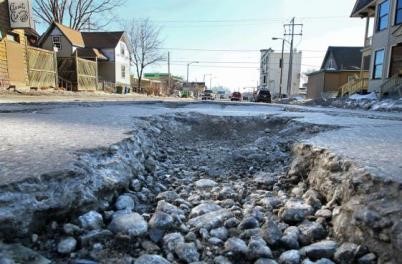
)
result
[(4, 27), (323, 82), (333, 81)]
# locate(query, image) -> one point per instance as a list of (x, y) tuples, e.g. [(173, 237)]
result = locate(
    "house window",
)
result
[(331, 65), (123, 71), (378, 64), (57, 42), (122, 49), (398, 15), (383, 15)]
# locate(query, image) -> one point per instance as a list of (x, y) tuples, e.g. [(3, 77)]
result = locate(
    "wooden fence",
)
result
[(42, 68), (83, 74), (4, 80), (87, 74)]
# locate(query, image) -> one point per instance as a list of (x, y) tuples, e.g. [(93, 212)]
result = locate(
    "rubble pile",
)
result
[(211, 190)]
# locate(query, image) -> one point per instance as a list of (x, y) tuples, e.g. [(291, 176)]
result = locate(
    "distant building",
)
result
[(176, 83), (194, 88), (383, 46), (150, 87), (340, 66), (270, 72)]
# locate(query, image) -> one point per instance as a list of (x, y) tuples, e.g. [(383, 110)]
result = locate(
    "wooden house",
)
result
[(104, 56), (22, 65), (340, 66)]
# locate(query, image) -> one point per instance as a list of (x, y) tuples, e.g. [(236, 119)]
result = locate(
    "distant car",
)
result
[(263, 96), (236, 96), (208, 95)]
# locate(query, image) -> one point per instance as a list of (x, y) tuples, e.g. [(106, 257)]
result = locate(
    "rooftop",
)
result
[(346, 58)]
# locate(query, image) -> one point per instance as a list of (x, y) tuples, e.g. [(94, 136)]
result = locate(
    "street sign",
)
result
[(20, 12)]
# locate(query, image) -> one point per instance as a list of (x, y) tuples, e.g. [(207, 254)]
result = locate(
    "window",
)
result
[(378, 64), (57, 42), (331, 64), (265, 79), (398, 15), (383, 15), (123, 71), (122, 49)]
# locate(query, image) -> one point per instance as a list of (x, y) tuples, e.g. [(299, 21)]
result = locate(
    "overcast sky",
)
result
[(243, 25)]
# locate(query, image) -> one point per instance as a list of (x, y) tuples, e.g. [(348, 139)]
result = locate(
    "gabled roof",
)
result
[(73, 36), (361, 4), (91, 53), (102, 40), (346, 58)]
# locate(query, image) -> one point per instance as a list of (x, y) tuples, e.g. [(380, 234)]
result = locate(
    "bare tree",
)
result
[(145, 45), (77, 14)]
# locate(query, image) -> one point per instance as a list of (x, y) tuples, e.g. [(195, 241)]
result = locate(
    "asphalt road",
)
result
[(46, 137)]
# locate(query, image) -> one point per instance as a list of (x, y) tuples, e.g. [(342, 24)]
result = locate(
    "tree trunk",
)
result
[(139, 84)]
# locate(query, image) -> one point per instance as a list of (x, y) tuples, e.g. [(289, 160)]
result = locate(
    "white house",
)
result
[(114, 45), (109, 49), (270, 72)]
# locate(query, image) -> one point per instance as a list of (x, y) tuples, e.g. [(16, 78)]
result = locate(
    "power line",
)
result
[(230, 66), (229, 50), (248, 20)]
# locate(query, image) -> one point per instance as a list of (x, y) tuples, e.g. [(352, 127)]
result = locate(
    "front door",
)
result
[(396, 61)]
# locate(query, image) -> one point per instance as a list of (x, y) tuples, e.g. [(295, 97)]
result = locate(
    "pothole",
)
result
[(188, 188)]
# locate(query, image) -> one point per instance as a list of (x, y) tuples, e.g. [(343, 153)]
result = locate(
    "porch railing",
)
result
[(392, 86), (354, 86), (65, 84)]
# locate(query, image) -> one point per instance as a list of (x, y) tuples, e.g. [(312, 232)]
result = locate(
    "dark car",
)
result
[(236, 96), (263, 96)]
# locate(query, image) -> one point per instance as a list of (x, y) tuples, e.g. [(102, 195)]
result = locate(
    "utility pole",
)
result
[(281, 64), (188, 71), (169, 77), (292, 34)]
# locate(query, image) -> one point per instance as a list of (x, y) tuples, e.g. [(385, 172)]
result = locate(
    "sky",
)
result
[(216, 32)]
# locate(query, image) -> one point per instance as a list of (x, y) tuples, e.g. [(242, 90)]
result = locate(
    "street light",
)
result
[(188, 68), (281, 65), (211, 77)]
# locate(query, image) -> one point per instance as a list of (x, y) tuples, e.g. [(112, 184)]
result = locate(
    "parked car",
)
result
[(208, 95), (263, 96), (236, 96)]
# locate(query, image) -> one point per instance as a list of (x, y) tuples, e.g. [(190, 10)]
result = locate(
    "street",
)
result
[(42, 138), (76, 166)]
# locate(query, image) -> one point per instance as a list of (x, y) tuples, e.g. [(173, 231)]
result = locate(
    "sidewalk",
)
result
[(63, 96)]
